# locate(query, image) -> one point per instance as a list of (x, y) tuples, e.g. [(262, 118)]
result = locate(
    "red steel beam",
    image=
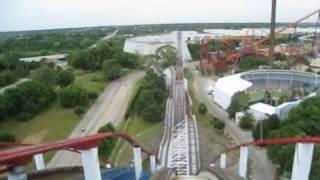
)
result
[(22, 156)]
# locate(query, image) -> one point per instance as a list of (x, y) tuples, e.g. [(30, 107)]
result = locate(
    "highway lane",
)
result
[(261, 166), (109, 107)]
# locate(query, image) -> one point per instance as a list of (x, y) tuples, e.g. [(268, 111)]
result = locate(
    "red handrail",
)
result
[(21, 156)]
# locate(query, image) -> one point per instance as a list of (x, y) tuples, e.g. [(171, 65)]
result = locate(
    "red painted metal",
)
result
[(13, 144), (22, 156), (262, 143)]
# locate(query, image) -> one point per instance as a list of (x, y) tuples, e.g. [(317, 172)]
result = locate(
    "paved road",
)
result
[(262, 167), (109, 36), (109, 107)]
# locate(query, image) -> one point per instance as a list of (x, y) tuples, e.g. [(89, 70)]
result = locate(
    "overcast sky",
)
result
[(47, 14)]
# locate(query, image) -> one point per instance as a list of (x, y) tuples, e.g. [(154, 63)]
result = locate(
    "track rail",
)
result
[(180, 147)]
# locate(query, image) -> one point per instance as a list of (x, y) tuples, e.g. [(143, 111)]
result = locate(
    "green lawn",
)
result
[(54, 123), (93, 82)]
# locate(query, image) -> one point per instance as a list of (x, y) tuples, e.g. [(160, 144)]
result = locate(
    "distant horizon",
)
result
[(123, 25), (17, 15)]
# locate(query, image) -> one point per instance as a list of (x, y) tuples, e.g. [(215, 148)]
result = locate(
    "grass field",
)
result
[(54, 123), (93, 82)]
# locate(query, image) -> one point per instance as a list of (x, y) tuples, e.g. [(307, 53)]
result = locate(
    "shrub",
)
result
[(202, 108), (79, 110), (6, 137), (218, 124)]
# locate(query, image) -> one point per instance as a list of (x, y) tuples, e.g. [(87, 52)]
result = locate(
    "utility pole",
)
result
[(272, 29)]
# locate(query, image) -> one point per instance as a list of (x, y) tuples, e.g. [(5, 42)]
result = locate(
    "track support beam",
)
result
[(137, 158), (302, 161), (153, 164), (243, 164), (223, 161), (39, 161), (90, 163)]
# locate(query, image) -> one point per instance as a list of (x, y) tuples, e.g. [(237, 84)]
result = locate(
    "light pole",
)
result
[(272, 29), (261, 129)]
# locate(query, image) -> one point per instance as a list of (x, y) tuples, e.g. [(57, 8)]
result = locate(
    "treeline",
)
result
[(107, 56), (11, 69), (29, 98), (36, 44), (161, 28), (43, 44), (151, 99), (26, 100)]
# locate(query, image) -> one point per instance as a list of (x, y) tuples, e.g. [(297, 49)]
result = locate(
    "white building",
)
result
[(146, 45), (58, 59), (261, 111), (226, 87)]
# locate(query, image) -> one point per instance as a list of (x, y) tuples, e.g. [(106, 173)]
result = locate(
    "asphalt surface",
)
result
[(262, 168), (109, 107)]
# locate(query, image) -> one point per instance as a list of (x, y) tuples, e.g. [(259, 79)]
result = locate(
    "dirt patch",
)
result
[(35, 138)]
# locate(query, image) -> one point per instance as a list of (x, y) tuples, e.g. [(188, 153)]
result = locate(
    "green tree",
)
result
[(7, 77), (269, 124), (71, 96), (151, 100), (45, 75), (239, 102), (65, 78), (194, 50), (246, 122), (27, 99), (112, 69)]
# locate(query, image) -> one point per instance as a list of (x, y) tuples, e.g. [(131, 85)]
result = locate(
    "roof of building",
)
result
[(264, 108), (232, 84)]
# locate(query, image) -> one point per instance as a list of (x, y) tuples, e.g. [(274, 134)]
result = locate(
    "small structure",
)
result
[(261, 111), (58, 59)]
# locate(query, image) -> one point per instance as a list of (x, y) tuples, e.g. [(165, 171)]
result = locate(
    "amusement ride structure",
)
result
[(219, 59)]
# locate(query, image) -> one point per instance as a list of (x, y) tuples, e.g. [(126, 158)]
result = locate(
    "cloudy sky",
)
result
[(47, 14)]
